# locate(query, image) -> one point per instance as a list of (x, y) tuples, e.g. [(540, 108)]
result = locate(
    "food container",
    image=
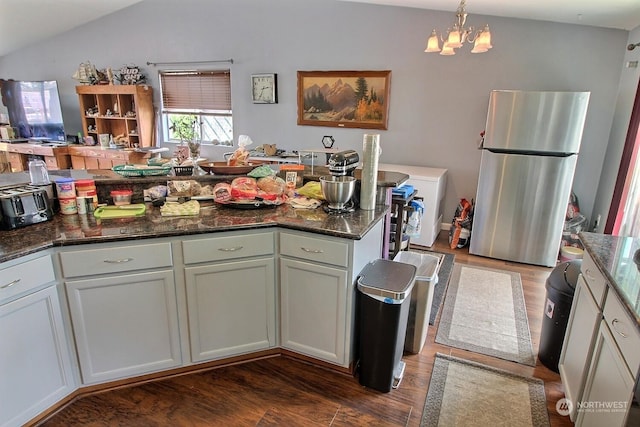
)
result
[(65, 187), (121, 197), (68, 206), (83, 186), (86, 205)]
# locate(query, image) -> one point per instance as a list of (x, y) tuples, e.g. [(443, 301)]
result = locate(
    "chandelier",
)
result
[(458, 35)]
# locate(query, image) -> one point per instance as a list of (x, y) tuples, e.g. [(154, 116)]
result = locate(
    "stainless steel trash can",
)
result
[(384, 291)]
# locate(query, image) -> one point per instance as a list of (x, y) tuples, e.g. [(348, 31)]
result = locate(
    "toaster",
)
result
[(25, 205)]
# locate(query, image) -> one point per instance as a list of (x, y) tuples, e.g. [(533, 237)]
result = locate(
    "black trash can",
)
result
[(561, 286), (384, 296)]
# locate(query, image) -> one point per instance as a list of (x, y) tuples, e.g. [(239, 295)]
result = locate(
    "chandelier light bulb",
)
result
[(433, 45), (447, 50), (454, 40)]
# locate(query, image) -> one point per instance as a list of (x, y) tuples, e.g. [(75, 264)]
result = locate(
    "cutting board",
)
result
[(124, 211)]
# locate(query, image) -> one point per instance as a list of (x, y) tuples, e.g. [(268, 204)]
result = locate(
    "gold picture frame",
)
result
[(349, 99)]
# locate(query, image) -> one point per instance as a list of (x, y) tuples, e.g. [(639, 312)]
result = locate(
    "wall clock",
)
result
[(264, 88)]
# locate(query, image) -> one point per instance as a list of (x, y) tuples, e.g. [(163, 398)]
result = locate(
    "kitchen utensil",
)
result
[(337, 190)]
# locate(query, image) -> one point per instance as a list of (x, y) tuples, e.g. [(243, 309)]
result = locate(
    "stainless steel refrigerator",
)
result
[(529, 156)]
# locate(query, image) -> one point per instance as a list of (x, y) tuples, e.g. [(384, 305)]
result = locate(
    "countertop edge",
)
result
[(595, 244)]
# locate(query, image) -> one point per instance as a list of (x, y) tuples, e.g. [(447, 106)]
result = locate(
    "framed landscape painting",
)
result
[(350, 99)]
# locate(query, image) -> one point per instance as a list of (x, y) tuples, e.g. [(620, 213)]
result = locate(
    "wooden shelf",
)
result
[(124, 111)]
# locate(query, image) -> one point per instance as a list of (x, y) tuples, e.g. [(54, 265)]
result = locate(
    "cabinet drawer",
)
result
[(594, 278), (115, 259), (624, 330), (225, 247), (315, 249), (20, 278)]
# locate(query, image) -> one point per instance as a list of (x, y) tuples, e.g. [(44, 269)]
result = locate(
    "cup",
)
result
[(38, 172), (104, 138)]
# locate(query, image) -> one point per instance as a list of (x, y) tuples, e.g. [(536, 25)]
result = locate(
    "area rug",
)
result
[(484, 312), (465, 393)]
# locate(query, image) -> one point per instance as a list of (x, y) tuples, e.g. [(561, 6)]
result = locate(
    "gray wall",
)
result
[(629, 79), (438, 104)]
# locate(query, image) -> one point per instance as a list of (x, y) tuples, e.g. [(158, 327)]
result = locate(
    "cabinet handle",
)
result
[(10, 284), (589, 275), (614, 322), (118, 261), (235, 248), (312, 251)]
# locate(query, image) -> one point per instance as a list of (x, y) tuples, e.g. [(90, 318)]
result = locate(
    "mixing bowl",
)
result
[(337, 190)]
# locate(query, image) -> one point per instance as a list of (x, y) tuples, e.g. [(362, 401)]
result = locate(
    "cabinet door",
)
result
[(609, 388), (125, 325), (313, 309), (35, 366), (582, 328), (231, 308)]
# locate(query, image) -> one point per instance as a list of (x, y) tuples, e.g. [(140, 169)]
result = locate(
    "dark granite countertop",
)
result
[(614, 257), (80, 229)]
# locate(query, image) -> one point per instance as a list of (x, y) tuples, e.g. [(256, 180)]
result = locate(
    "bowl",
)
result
[(337, 190), (221, 168), (121, 197)]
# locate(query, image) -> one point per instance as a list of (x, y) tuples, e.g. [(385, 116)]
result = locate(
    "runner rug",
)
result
[(465, 393), (484, 312)]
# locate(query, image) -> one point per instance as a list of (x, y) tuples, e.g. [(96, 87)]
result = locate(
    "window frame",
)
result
[(219, 121)]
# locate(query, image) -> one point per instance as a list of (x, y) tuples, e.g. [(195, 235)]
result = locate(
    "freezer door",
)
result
[(536, 121), (521, 205)]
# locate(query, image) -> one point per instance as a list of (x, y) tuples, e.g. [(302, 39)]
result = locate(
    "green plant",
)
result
[(183, 127)]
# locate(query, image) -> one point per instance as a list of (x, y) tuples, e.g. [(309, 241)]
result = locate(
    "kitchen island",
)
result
[(118, 301)]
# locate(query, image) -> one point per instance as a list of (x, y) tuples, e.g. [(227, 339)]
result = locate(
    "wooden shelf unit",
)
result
[(122, 110)]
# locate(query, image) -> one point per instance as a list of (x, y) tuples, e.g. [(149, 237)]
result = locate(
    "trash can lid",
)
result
[(564, 277), (426, 265), (388, 279)]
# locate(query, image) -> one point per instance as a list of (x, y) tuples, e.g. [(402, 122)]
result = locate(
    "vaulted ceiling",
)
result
[(24, 22)]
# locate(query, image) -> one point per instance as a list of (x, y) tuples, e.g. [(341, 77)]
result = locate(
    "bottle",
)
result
[(38, 172)]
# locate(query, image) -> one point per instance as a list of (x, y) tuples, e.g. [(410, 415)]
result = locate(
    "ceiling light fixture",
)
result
[(458, 35)]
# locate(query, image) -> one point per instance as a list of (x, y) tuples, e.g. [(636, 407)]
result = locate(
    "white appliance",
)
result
[(431, 184)]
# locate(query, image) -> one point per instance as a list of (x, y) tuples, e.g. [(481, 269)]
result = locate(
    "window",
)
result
[(202, 97)]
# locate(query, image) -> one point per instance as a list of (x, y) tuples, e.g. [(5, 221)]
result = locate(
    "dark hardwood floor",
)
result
[(288, 392)]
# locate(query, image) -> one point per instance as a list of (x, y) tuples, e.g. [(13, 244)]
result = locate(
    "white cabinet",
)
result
[(599, 359), (317, 292), (122, 301), (582, 326), (609, 388), (231, 296), (35, 364), (313, 300), (431, 184)]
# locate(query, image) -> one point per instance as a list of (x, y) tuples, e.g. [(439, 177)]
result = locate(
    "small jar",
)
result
[(65, 187), (86, 205), (83, 186), (121, 197), (68, 206)]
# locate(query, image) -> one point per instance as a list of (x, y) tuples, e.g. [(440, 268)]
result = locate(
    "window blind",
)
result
[(196, 90)]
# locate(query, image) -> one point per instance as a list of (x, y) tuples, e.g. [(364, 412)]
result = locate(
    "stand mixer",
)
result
[(339, 187)]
